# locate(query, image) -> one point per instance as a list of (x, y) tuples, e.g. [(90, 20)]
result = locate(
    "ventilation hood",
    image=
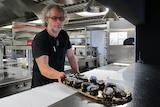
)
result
[(29, 10)]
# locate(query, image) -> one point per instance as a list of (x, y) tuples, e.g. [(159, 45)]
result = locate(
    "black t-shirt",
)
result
[(55, 48)]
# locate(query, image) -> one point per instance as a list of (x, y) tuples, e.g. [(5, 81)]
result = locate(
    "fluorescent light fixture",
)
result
[(7, 27), (36, 21), (33, 22), (90, 14), (99, 26)]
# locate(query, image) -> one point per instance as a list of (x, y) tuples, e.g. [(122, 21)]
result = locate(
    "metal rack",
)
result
[(28, 55), (23, 33), (84, 51), (79, 33)]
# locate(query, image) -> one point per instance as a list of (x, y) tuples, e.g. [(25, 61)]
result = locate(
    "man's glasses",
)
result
[(55, 18)]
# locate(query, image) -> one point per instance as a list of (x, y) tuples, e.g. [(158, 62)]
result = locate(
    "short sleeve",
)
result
[(39, 47)]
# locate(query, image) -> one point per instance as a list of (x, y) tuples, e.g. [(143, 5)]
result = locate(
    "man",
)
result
[(49, 48)]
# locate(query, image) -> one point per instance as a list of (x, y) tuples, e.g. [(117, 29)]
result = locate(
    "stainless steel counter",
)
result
[(17, 79), (142, 80), (14, 80), (44, 94)]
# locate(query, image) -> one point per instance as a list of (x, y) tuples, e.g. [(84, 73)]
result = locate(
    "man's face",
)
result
[(55, 20)]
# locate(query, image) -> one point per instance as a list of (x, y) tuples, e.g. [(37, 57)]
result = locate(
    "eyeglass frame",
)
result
[(55, 18)]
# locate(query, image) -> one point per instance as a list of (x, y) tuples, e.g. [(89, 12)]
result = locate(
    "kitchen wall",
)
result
[(117, 52)]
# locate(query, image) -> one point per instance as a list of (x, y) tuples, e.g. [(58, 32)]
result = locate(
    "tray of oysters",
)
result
[(103, 92)]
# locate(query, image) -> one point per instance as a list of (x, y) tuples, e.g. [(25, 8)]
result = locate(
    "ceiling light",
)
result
[(98, 26), (94, 7), (36, 22), (89, 14), (7, 27)]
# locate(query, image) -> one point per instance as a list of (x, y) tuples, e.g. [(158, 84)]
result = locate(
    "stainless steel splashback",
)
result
[(121, 54)]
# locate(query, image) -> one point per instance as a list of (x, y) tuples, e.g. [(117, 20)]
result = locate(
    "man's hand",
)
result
[(61, 76)]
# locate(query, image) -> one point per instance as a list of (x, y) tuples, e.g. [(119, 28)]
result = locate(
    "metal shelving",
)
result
[(23, 32)]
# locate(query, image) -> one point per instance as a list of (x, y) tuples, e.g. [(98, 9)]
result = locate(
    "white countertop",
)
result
[(49, 94), (38, 97)]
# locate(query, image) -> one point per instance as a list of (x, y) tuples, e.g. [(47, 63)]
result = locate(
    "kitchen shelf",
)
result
[(25, 31), (27, 28), (19, 47)]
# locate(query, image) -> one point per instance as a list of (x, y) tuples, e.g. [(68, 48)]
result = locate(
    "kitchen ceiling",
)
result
[(28, 10)]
